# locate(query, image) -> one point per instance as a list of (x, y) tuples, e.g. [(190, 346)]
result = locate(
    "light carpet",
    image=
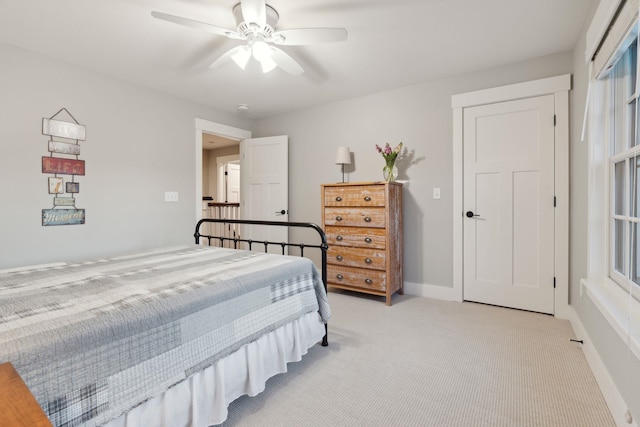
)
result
[(424, 362)]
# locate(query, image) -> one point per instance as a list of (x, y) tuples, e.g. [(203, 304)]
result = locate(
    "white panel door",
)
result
[(265, 185), (509, 204)]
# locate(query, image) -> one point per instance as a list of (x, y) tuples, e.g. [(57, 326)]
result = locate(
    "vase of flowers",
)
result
[(389, 171)]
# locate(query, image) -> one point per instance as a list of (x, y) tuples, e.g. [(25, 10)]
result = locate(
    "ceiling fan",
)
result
[(256, 24)]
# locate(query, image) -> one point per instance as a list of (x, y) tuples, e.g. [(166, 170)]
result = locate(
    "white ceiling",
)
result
[(391, 43)]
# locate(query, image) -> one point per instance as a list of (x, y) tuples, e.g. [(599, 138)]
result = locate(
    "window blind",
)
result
[(611, 46), (599, 25)]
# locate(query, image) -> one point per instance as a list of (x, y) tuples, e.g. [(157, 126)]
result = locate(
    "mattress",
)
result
[(94, 339)]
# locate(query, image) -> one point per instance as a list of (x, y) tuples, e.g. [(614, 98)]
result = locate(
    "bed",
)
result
[(164, 337)]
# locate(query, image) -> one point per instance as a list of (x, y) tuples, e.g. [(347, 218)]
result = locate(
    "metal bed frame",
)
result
[(238, 241)]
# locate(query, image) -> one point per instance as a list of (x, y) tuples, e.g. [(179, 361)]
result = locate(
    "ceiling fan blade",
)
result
[(226, 57), (254, 11), (304, 36), (197, 25), (286, 62)]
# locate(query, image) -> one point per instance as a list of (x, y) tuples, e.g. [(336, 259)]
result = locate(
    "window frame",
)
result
[(611, 294), (622, 94)]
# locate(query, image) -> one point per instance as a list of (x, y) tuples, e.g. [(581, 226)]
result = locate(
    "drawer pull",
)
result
[(338, 218), (338, 199), (367, 198), (367, 219), (339, 277), (339, 258), (339, 238), (367, 239), (368, 281), (368, 260)]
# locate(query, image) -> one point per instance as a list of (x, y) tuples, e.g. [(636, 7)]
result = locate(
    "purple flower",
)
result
[(389, 154)]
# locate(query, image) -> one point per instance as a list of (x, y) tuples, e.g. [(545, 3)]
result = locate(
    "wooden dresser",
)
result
[(363, 224)]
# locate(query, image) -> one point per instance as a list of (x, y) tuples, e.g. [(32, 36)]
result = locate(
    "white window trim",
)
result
[(614, 304)]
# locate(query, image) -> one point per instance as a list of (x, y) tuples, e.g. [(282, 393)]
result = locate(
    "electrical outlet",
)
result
[(170, 196), (436, 193)]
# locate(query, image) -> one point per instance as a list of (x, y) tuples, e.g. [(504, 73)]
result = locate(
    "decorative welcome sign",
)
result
[(64, 149)]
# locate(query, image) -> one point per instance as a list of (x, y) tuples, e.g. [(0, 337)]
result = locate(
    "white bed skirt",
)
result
[(202, 399)]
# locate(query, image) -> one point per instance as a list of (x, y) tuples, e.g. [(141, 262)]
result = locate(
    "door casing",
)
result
[(213, 128), (559, 87)]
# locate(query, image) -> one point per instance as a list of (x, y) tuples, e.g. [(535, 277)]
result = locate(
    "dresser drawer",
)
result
[(357, 277), (356, 236), (357, 257), (355, 217), (359, 195)]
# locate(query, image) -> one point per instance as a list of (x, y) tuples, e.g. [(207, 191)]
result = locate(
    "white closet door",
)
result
[(509, 204)]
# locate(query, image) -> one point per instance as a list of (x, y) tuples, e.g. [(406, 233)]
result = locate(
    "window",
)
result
[(624, 169), (613, 233)]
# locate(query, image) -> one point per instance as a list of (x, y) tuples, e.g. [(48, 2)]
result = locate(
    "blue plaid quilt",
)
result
[(94, 339)]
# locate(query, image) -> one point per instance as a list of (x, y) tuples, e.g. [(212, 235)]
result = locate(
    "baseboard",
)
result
[(431, 291), (612, 396)]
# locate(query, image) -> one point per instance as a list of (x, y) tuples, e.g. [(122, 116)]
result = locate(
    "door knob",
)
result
[(281, 212), (470, 214)]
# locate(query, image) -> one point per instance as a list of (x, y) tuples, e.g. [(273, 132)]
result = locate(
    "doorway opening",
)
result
[(220, 168), (209, 138), (221, 181)]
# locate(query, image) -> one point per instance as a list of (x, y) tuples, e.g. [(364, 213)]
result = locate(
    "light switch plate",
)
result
[(436, 193)]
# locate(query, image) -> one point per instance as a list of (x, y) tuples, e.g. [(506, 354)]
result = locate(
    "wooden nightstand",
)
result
[(18, 407)]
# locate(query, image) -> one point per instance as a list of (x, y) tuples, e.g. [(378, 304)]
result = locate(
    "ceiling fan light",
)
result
[(261, 50), (241, 57), (268, 64)]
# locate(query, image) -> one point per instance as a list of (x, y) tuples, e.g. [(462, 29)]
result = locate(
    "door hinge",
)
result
[(226, 173), (554, 283), (554, 120), (554, 201)]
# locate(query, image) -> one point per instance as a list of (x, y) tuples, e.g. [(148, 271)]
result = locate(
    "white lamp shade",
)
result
[(343, 156)]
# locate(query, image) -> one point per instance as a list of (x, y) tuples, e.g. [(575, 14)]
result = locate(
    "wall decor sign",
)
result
[(64, 149), (62, 166), (55, 185), (62, 216), (73, 187), (63, 129)]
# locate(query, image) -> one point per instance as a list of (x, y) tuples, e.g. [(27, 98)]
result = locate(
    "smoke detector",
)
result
[(243, 108)]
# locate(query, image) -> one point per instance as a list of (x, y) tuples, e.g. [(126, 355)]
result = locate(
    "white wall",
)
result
[(140, 143), (421, 117)]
